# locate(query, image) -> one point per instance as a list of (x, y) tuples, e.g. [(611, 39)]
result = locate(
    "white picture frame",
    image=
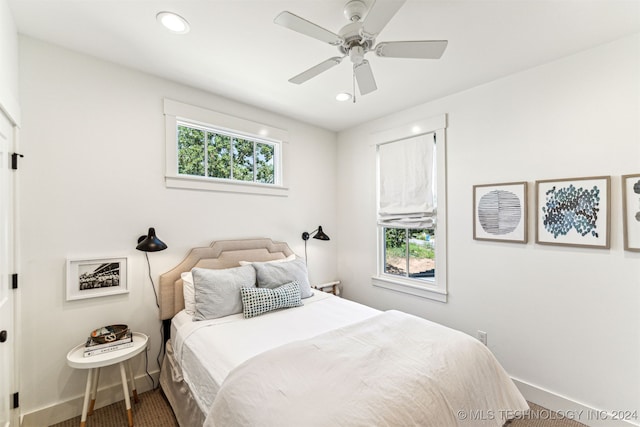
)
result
[(500, 212), (96, 277)]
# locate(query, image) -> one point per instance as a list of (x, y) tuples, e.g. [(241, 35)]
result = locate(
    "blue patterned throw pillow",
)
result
[(257, 301)]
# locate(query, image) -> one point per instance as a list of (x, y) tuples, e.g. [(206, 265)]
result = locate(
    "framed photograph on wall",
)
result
[(631, 212), (90, 278), (500, 212), (574, 212)]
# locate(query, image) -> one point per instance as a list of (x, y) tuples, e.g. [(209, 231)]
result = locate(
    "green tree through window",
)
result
[(409, 252), (214, 154), (190, 151)]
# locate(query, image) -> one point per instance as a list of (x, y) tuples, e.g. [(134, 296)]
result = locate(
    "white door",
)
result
[(6, 259)]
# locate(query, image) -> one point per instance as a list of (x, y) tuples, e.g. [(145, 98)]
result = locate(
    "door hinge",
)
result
[(14, 281), (14, 160), (15, 400)]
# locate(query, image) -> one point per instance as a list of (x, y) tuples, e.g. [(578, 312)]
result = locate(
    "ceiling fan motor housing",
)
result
[(351, 34)]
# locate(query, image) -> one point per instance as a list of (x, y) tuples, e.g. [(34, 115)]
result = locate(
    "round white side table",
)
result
[(76, 359)]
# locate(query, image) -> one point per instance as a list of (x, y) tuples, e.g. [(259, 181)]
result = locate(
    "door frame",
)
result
[(13, 265)]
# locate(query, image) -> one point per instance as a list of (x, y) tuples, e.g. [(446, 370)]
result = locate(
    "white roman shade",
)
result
[(407, 183)]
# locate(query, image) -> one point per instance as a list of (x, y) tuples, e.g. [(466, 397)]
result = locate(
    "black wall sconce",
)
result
[(319, 234), (151, 243), (146, 244)]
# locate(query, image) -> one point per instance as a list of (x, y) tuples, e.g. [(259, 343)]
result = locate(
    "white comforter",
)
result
[(393, 369), (209, 350)]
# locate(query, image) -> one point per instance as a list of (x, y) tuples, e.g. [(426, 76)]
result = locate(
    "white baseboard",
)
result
[(72, 408), (571, 409)]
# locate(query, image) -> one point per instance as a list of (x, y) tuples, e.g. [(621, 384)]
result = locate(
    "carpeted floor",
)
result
[(542, 417), (154, 411)]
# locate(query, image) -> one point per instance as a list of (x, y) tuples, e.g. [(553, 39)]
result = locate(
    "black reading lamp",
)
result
[(319, 234), (146, 244), (151, 243)]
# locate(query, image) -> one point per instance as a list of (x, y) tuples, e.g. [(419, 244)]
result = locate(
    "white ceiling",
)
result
[(234, 49)]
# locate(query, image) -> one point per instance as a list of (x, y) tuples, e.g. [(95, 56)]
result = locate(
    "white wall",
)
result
[(565, 320), (92, 181), (9, 60)]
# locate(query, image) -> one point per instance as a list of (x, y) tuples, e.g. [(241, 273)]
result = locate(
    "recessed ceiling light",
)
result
[(172, 22), (344, 96)]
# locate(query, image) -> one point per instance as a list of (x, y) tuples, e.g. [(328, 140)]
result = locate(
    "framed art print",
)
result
[(631, 212), (90, 278), (573, 212), (500, 212)]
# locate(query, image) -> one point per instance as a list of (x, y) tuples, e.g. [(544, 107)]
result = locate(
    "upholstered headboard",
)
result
[(220, 254)]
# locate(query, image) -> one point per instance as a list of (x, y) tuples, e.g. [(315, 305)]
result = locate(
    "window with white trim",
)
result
[(207, 150), (411, 212), (213, 153)]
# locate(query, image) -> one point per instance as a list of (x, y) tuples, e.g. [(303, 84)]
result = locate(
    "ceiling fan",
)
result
[(357, 38)]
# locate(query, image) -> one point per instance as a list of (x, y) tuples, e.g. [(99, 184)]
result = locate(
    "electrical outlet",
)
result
[(482, 336)]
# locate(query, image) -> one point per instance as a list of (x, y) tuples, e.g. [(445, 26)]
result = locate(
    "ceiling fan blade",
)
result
[(301, 25), (420, 49), (364, 77), (315, 70), (379, 16)]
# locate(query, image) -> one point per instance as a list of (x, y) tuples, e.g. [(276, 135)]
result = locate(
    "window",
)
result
[(409, 252), (411, 211), (217, 154), (207, 150)]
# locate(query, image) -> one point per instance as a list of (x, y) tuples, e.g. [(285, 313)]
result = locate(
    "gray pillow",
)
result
[(273, 275), (257, 301), (217, 292)]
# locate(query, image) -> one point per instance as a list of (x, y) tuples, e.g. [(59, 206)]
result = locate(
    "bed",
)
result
[(322, 360)]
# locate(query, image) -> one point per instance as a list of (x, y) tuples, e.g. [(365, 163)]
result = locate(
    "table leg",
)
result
[(127, 401), (133, 383), (94, 391), (85, 404)]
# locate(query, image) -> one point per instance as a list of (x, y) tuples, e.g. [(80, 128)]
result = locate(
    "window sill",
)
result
[(408, 287), (197, 183)]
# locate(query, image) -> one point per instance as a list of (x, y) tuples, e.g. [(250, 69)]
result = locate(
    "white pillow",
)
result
[(189, 292), (289, 258)]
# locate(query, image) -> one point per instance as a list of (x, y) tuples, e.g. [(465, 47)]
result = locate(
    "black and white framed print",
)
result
[(500, 212), (574, 212), (631, 212), (90, 278)]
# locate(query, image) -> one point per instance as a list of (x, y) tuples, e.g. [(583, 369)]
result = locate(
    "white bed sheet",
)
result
[(208, 350)]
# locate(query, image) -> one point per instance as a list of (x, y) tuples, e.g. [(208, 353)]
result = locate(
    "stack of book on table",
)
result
[(93, 348)]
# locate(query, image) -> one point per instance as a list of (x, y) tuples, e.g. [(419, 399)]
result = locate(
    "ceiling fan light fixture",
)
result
[(343, 96), (173, 22)]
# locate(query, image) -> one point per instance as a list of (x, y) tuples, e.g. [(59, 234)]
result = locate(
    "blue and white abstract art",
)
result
[(573, 212)]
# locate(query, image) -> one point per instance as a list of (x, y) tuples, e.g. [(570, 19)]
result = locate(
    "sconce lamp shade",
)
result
[(150, 243), (320, 235)]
